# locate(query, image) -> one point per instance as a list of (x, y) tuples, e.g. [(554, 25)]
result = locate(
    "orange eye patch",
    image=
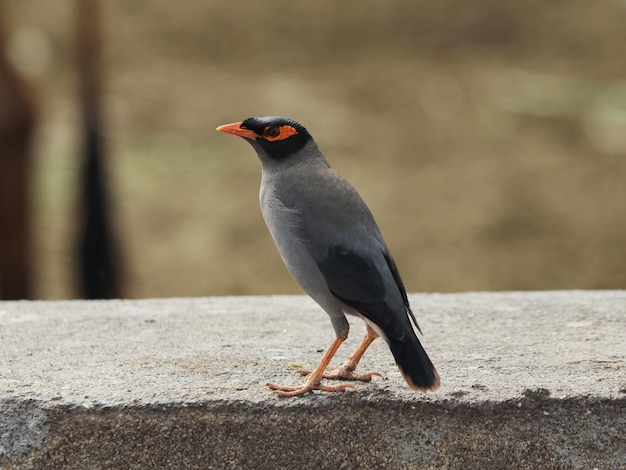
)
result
[(273, 133)]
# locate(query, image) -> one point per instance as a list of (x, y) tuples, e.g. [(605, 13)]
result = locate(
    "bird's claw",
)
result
[(308, 387), (346, 373)]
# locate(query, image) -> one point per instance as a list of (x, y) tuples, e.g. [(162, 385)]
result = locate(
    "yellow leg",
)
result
[(314, 379), (346, 371)]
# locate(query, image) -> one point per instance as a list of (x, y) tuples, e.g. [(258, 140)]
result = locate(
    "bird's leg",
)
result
[(314, 379), (346, 370)]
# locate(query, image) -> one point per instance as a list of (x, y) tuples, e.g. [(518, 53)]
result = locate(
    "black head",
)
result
[(278, 137)]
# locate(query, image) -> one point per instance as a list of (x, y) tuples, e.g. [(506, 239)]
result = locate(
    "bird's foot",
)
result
[(307, 387), (346, 372)]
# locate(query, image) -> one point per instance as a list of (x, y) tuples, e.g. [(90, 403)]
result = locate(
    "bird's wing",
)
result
[(398, 280), (356, 280), (351, 277), (340, 234)]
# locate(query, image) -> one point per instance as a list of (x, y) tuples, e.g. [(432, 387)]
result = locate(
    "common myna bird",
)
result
[(331, 244)]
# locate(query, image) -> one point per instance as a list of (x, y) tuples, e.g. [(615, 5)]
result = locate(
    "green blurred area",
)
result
[(488, 137)]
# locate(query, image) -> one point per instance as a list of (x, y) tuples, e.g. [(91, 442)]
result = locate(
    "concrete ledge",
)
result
[(529, 380)]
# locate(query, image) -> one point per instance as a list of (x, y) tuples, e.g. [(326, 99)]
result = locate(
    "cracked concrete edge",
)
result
[(23, 427), (535, 431)]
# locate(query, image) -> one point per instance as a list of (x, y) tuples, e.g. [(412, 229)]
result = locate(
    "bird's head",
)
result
[(275, 137)]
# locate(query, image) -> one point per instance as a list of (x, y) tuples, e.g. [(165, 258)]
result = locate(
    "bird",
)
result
[(332, 246)]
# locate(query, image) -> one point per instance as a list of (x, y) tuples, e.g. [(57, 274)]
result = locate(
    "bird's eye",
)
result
[(276, 133), (272, 131)]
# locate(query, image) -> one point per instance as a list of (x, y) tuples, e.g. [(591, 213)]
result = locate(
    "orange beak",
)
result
[(236, 129)]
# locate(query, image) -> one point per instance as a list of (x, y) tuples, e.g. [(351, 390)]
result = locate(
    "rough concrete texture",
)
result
[(529, 380)]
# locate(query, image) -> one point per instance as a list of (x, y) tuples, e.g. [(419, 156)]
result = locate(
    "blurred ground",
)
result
[(488, 137)]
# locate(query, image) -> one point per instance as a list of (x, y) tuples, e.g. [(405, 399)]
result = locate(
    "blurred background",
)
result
[(488, 137)]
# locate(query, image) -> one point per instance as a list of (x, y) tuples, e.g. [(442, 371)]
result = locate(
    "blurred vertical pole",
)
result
[(17, 122), (99, 269)]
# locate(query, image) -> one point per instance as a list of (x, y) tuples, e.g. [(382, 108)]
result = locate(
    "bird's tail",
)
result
[(414, 363)]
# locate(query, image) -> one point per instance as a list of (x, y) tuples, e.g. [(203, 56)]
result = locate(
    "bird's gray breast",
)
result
[(286, 225)]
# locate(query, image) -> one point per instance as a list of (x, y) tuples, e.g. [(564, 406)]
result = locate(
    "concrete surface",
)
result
[(529, 380)]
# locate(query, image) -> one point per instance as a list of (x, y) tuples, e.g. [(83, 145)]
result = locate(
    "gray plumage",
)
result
[(331, 244)]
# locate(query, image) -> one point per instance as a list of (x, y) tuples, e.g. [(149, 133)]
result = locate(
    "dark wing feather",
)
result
[(356, 281), (343, 239), (352, 277), (396, 276)]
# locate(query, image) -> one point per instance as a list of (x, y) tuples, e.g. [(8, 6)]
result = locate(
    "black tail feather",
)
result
[(414, 364)]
